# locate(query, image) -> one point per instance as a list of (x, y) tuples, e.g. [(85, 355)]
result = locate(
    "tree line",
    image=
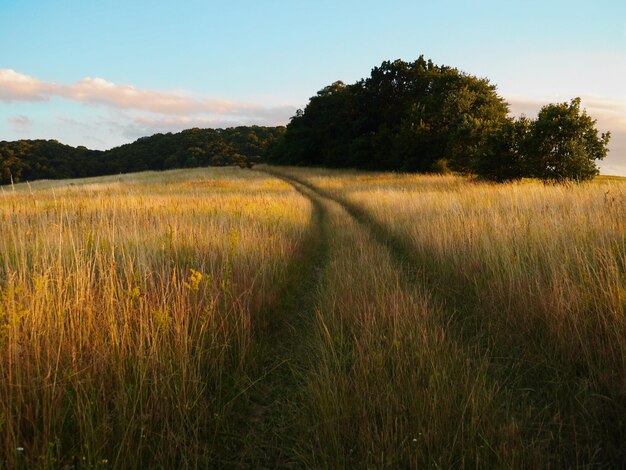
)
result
[(418, 116), (406, 116), (28, 160)]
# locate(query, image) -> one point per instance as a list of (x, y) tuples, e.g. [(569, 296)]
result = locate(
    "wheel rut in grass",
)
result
[(272, 421), (444, 300), (526, 392), (399, 250)]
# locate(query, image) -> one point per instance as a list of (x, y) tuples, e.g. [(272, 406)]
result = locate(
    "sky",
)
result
[(103, 73)]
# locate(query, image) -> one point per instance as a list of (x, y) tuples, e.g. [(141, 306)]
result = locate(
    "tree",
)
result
[(8, 166), (505, 156), (561, 144), (28, 160), (564, 143), (404, 116)]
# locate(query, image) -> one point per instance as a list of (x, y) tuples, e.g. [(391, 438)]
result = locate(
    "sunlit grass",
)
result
[(150, 320), (546, 256), (389, 386), (127, 306), (532, 279)]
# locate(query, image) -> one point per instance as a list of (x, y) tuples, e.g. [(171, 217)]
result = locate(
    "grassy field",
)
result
[(289, 317), (128, 307)]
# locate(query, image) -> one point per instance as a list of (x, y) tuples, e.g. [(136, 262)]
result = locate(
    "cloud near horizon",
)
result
[(15, 86), (20, 123), (131, 112), (133, 126)]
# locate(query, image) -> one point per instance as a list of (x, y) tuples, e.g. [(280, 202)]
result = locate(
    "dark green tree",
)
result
[(505, 157), (564, 143), (28, 160), (404, 116), (10, 166)]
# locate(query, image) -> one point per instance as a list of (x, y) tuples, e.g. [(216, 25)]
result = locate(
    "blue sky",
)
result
[(103, 73)]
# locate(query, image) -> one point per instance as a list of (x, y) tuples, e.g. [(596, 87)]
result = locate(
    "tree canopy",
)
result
[(404, 116), (417, 116), (563, 143)]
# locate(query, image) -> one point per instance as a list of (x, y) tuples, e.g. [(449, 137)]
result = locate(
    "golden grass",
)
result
[(388, 386), (126, 306), (148, 321), (533, 253), (533, 280)]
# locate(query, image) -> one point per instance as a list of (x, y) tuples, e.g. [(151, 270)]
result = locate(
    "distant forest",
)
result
[(28, 160)]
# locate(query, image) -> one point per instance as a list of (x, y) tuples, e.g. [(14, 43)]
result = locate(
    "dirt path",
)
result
[(397, 248), (277, 420)]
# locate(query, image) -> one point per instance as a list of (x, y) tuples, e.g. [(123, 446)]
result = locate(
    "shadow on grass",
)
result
[(267, 430), (568, 417)]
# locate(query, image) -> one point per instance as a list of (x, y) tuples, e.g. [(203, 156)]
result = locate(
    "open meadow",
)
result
[(292, 317)]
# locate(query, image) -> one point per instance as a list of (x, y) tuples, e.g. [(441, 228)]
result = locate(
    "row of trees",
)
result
[(422, 117), (28, 160), (405, 116)]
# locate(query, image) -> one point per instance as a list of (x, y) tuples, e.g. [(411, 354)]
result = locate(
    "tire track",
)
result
[(407, 266), (461, 308), (399, 249), (272, 418)]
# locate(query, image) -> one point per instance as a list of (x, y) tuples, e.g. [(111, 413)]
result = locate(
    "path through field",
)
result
[(273, 417), (279, 432), (378, 361), (311, 318), (354, 294)]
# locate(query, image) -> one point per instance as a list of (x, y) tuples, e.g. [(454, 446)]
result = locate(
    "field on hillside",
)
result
[(289, 317)]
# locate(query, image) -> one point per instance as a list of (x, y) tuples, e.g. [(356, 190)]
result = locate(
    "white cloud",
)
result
[(129, 112), (15, 87), (100, 91)]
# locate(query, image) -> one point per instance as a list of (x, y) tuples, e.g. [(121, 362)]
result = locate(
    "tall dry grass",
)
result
[(127, 306), (449, 323), (388, 386), (533, 280)]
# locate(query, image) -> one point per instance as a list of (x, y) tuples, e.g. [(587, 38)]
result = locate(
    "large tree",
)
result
[(404, 116), (564, 143)]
